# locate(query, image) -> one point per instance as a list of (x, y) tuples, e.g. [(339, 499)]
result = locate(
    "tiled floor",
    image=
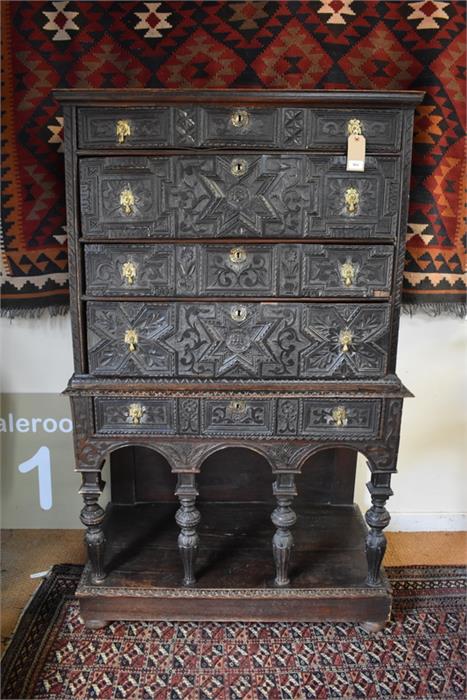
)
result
[(25, 552)]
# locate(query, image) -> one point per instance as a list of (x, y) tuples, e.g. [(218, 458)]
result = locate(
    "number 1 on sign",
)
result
[(41, 460)]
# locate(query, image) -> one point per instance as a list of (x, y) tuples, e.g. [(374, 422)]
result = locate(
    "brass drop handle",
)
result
[(127, 201), (136, 412), (339, 416), (348, 273), (345, 339), (129, 272), (354, 127), (131, 339), (238, 313), (237, 255), (352, 199), (122, 130), (240, 118)]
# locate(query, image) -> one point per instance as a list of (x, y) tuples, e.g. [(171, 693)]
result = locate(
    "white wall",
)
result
[(430, 490)]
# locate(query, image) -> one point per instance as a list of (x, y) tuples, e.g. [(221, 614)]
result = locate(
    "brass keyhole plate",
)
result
[(240, 118), (237, 255), (238, 313), (238, 167)]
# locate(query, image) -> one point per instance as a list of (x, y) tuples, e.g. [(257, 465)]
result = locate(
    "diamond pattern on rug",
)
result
[(421, 654), (310, 44)]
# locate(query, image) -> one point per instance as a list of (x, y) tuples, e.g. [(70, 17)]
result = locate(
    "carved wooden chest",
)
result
[(236, 285)]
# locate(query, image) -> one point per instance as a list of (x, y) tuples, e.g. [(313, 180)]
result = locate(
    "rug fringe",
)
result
[(457, 310), (38, 312)]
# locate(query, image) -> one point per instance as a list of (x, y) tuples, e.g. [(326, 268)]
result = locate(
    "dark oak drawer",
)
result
[(237, 340), (382, 128), (165, 416), (133, 128), (333, 418), (263, 270), (244, 126), (298, 128), (239, 195)]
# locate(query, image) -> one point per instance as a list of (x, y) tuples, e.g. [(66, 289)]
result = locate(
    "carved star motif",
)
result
[(237, 345), (241, 201), (366, 349)]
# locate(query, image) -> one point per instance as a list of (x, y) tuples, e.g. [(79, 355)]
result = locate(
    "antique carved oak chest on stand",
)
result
[(235, 296)]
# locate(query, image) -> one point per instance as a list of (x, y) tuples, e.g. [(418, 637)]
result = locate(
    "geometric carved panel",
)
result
[(346, 340), (238, 195), (237, 340)]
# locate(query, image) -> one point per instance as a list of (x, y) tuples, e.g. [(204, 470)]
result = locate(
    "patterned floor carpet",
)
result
[(421, 654)]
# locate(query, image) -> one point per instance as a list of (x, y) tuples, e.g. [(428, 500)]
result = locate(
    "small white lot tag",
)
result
[(356, 152)]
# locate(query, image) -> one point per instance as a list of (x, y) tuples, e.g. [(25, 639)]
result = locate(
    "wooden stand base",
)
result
[(234, 568)]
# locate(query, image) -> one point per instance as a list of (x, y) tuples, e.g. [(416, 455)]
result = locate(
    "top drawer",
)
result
[(293, 128)]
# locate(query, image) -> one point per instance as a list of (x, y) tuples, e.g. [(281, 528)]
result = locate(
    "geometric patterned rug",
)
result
[(321, 44), (421, 653)]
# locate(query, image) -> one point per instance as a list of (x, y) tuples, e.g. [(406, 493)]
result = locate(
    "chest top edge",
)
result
[(324, 98)]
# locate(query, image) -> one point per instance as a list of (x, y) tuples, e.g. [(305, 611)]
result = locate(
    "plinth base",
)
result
[(234, 568)]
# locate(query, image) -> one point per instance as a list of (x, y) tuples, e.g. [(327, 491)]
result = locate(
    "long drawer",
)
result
[(232, 195), (333, 418), (247, 127), (237, 340), (263, 270)]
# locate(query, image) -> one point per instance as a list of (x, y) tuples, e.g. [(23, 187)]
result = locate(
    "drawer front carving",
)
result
[(241, 416), (243, 126), (332, 418), (224, 195), (382, 129), (136, 415), (129, 270), (333, 270), (237, 340), (246, 270), (156, 127), (338, 417), (238, 417)]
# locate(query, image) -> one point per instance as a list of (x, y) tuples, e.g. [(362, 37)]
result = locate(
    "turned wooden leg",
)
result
[(283, 517), (188, 518), (92, 516), (377, 518)]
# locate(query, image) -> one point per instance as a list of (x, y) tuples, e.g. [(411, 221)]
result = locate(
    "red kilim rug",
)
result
[(316, 44), (421, 654)]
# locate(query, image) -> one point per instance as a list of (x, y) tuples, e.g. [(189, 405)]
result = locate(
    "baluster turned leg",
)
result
[(283, 517), (188, 518), (377, 518), (92, 516)]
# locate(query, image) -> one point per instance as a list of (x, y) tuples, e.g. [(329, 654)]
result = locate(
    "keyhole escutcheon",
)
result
[(240, 118), (238, 167), (238, 313)]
